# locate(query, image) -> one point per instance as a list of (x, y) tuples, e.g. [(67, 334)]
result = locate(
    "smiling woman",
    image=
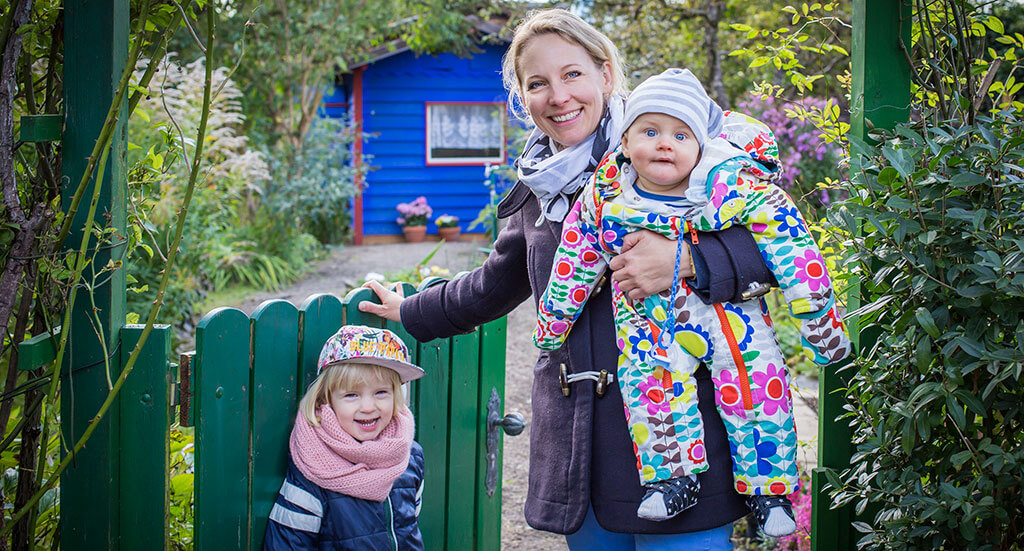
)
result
[(567, 78)]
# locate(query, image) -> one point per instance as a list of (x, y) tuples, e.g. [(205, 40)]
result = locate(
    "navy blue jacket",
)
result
[(580, 451), (308, 517)]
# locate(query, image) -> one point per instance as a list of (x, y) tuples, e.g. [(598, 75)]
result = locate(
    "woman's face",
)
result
[(563, 89)]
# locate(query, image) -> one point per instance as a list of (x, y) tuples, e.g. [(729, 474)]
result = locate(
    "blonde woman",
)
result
[(568, 79)]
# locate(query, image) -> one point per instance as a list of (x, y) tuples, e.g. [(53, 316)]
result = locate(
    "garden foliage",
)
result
[(810, 164), (934, 222), (937, 401)]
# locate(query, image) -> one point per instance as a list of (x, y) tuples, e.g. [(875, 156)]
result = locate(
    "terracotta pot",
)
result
[(414, 234), (449, 234)]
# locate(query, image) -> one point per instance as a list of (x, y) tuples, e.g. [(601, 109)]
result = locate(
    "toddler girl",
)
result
[(355, 475)]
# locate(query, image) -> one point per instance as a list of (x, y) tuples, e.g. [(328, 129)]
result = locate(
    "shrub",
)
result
[(313, 184), (936, 404)]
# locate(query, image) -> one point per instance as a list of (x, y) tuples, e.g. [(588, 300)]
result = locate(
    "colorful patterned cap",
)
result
[(370, 345)]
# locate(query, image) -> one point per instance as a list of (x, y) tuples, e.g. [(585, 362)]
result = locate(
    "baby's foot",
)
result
[(774, 514), (668, 498)]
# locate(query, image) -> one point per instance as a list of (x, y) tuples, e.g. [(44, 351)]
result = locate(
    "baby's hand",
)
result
[(390, 306)]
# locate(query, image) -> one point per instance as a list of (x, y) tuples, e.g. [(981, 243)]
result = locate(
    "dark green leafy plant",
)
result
[(313, 185), (937, 404)]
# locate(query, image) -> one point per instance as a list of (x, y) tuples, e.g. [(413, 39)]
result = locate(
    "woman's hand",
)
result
[(646, 263), (390, 306)]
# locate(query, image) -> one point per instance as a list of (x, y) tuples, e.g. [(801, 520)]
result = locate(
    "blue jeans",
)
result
[(591, 537)]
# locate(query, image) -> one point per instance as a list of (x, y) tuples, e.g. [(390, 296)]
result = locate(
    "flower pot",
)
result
[(449, 234), (414, 234)]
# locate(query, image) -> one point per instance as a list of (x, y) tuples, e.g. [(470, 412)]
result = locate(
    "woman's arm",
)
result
[(646, 263), (459, 306), (728, 264)]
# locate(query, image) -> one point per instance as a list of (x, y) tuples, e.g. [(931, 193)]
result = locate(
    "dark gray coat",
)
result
[(580, 450)]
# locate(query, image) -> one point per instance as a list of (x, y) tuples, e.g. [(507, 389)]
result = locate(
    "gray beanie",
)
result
[(677, 93)]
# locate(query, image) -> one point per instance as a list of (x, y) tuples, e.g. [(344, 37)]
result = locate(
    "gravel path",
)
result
[(346, 266)]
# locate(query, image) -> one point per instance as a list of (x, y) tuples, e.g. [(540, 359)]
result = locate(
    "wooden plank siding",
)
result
[(395, 91)]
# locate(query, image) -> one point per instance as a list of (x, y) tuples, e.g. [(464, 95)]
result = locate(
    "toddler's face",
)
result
[(663, 150), (364, 411)]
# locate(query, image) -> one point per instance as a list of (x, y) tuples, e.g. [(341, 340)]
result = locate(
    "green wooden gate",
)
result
[(240, 390), (247, 375)]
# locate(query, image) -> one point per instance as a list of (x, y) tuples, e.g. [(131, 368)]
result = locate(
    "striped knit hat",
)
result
[(677, 93)]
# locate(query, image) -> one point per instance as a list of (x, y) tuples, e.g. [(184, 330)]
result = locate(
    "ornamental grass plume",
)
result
[(414, 213)]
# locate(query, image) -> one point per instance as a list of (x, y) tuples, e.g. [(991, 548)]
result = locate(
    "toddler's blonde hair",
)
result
[(347, 375)]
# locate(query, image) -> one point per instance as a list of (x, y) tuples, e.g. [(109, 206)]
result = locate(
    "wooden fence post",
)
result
[(145, 448), (880, 95), (96, 35)]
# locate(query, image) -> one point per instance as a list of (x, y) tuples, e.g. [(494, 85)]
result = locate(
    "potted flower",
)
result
[(448, 227), (413, 219)]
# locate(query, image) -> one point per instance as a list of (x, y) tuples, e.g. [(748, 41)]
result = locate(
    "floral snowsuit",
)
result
[(736, 340)]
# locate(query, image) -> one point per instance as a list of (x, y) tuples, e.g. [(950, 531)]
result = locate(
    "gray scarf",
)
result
[(554, 176)]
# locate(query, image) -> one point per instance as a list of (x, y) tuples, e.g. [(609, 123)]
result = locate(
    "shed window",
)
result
[(465, 133)]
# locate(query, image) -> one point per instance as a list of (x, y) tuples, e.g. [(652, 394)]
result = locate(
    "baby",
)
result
[(678, 171)]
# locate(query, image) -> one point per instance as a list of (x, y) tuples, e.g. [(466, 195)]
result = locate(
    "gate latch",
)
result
[(513, 424)]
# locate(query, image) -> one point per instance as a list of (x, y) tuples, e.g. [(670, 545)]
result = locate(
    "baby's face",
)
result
[(663, 151)]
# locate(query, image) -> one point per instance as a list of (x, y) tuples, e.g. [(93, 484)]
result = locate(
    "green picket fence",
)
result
[(240, 390)]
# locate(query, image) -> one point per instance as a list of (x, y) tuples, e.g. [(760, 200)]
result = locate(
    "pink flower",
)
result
[(772, 389), (811, 269), (571, 237), (728, 394), (579, 293), (564, 269), (653, 396)]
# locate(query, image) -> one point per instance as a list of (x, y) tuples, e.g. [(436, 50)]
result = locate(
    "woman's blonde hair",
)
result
[(572, 29), (347, 375)]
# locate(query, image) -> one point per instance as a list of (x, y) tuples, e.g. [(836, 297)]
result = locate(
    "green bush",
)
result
[(937, 404), (313, 185)]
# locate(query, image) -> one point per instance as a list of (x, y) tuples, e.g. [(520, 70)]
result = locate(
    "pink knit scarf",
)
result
[(332, 459)]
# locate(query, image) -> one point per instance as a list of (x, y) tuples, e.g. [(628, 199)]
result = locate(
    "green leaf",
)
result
[(995, 24), (924, 355), (970, 346), (967, 179), (927, 322), (960, 458), (759, 61), (898, 203), (888, 176), (900, 160)]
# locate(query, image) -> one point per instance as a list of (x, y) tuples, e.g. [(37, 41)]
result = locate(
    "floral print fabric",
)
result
[(736, 341)]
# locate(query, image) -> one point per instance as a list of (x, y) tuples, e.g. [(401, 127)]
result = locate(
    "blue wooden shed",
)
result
[(431, 123)]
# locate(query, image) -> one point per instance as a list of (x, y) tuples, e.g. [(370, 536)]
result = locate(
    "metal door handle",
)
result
[(512, 424)]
